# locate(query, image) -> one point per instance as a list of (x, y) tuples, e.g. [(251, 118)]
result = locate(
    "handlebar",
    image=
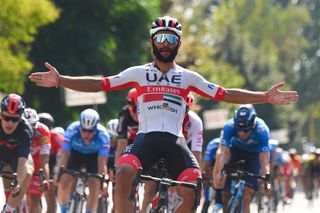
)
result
[(196, 187), (84, 175)]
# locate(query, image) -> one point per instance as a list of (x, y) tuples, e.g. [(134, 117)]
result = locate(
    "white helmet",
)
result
[(89, 119), (59, 129), (31, 115), (166, 23), (112, 127)]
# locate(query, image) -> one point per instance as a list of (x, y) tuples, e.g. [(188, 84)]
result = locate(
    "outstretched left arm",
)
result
[(272, 96)]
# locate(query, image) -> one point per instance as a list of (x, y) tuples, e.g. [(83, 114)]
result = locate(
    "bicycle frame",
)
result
[(164, 184), (237, 194), (79, 196), (235, 203)]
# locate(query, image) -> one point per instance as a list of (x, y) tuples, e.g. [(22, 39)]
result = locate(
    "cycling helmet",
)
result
[(244, 117), (112, 127), (166, 23), (132, 97), (89, 119), (13, 104), (46, 119), (31, 115), (189, 99), (59, 129)]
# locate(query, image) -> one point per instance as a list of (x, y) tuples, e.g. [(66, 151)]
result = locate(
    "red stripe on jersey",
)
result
[(106, 85), (156, 89), (218, 97), (152, 97)]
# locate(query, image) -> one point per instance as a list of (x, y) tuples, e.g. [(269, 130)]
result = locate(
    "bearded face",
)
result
[(165, 54)]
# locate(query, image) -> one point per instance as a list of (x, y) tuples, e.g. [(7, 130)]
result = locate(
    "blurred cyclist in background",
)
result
[(15, 142), (40, 150), (57, 137), (128, 123), (86, 144), (112, 129), (245, 137), (207, 174)]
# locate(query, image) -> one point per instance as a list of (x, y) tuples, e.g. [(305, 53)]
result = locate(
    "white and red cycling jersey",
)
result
[(161, 96), (192, 130), (40, 144)]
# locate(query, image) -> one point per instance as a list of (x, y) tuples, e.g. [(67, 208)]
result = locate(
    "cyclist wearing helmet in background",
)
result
[(15, 142), (40, 150), (162, 87), (128, 123), (245, 137), (56, 141), (86, 144), (112, 129)]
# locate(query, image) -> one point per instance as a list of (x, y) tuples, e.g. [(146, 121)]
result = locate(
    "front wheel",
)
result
[(76, 204), (103, 204)]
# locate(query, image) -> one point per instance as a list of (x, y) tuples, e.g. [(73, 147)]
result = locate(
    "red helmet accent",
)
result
[(13, 104), (132, 97), (189, 99)]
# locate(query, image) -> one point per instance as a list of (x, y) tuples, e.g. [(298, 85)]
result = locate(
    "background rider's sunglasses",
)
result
[(10, 118), (87, 130), (171, 39), (244, 129)]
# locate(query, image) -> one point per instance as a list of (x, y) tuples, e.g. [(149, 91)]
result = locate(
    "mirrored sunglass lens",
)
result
[(171, 39)]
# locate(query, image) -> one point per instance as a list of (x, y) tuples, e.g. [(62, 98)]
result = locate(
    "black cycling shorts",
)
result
[(77, 160), (152, 146)]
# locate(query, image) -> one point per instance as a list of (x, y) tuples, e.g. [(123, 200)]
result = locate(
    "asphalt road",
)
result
[(298, 205)]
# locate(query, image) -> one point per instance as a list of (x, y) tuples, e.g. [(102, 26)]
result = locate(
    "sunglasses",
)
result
[(10, 118), (244, 129), (87, 130), (171, 39)]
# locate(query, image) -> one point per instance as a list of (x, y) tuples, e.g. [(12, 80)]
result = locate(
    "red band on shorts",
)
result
[(190, 175), (131, 160)]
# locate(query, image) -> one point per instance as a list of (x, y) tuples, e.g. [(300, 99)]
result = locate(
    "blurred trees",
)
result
[(19, 23), (258, 42), (91, 37), (250, 44)]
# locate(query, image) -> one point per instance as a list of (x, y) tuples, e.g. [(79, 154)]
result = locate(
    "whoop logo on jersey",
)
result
[(163, 106)]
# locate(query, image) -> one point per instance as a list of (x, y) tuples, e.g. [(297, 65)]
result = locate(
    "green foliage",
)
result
[(19, 23), (92, 37)]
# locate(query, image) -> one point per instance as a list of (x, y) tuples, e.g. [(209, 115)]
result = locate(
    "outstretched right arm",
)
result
[(52, 78)]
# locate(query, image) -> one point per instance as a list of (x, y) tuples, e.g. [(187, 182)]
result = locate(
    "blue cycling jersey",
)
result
[(99, 143), (211, 150), (257, 141)]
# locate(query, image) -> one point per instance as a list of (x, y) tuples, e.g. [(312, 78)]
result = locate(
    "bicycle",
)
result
[(235, 203), (164, 184), (78, 197), (12, 176), (104, 201)]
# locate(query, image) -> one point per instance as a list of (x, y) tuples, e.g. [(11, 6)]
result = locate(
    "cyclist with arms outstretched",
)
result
[(245, 137), (162, 87), (15, 141), (86, 144)]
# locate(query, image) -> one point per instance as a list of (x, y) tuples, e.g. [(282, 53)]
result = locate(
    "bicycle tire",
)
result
[(76, 204), (103, 204), (228, 208), (238, 206)]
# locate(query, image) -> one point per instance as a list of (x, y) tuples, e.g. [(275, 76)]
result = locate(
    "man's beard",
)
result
[(170, 58)]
